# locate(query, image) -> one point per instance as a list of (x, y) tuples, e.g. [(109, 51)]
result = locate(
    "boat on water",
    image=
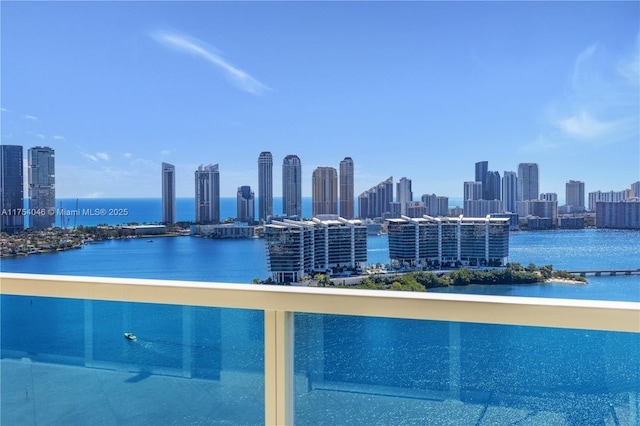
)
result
[(130, 336)]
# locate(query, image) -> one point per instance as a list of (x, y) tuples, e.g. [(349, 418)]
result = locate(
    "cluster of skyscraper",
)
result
[(331, 194), (41, 180)]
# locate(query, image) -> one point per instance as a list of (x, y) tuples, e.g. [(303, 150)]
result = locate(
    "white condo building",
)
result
[(302, 248), (168, 193), (448, 241)]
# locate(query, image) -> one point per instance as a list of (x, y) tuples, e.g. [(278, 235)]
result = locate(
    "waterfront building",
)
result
[(618, 214), (11, 189), (571, 222), (538, 208), (324, 191), (436, 205), (448, 241), (226, 230), (574, 196), (42, 187), (536, 223), (472, 191), (302, 248), (376, 201), (549, 196), (635, 189), (292, 186), (514, 223), (609, 197), (168, 193), (528, 186), (416, 209), (207, 183), (481, 208), (245, 200), (265, 185), (404, 194), (347, 177)]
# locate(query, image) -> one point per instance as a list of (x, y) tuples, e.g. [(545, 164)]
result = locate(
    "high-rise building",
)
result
[(404, 194), (491, 186), (549, 196), (324, 191), (376, 202), (42, 187), (482, 167), (618, 214), (207, 194), (528, 187), (301, 248), (347, 188), (509, 191), (574, 197), (434, 242), (265, 185), (168, 193), (635, 189), (436, 205), (246, 204), (292, 186), (472, 191), (609, 197), (11, 189)]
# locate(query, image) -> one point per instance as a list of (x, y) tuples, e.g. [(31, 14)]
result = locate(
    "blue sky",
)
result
[(413, 89)]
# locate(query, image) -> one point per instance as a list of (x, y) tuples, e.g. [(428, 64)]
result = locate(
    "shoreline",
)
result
[(564, 281)]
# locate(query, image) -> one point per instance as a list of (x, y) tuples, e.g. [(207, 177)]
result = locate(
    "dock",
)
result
[(604, 272)]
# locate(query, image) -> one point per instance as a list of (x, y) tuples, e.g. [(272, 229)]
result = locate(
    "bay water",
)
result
[(368, 352)]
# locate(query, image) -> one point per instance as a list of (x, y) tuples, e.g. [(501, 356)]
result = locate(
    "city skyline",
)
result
[(388, 84)]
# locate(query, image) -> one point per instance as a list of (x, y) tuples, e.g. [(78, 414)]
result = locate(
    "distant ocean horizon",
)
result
[(121, 211)]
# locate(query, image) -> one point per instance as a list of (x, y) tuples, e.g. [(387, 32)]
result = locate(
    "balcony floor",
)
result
[(39, 393)]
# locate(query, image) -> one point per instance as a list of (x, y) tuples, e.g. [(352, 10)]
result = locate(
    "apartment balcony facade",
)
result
[(216, 353)]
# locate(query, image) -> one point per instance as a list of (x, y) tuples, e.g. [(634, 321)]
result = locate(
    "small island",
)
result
[(513, 273)]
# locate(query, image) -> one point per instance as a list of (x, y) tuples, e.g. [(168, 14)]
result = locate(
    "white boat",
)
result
[(130, 336)]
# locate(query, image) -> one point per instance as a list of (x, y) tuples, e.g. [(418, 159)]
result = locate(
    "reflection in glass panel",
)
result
[(359, 370), (69, 362)]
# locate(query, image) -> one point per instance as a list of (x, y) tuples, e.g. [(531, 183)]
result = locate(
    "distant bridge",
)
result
[(605, 272)]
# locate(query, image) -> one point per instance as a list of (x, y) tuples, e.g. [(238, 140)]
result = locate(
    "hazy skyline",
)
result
[(422, 90)]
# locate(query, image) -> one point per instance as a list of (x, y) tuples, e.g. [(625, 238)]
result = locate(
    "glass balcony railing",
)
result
[(210, 353)]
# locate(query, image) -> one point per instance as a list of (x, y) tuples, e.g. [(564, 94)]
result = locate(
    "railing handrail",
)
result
[(509, 310)]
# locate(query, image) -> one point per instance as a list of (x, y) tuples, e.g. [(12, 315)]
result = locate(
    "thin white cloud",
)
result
[(97, 156), (127, 155), (602, 106), (166, 152), (582, 57), (629, 68), (59, 137), (90, 156), (585, 126), (41, 136), (30, 117), (5, 110), (238, 77)]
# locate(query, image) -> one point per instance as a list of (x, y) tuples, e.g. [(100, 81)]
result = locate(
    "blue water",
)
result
[(120, 211), (198, 259), (498, 365)]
